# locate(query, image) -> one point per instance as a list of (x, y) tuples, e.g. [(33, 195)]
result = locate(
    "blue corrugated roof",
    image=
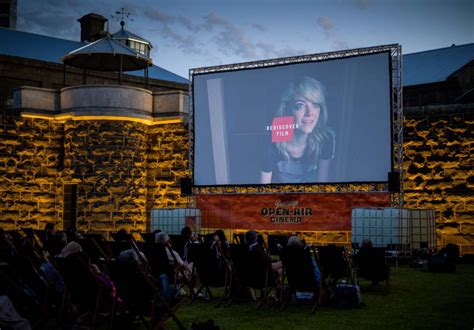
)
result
[(418, 68), (50, 49), (435, 65)]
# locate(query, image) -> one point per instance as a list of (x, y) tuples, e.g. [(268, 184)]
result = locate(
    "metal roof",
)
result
[(124, 34), (418, 68), (106, 54), (50, 49), (435, 65)]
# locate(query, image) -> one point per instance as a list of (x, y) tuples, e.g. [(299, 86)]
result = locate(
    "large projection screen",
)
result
[(310, 122)]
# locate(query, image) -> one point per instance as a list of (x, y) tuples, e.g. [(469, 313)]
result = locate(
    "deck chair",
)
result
[(178, 243), (117, 247), (276, 243), (148, 237), (82, 288), (159, 264), (24, 271), (93, 249), (334, 267), (158, 261), (211, 271), (299, 271), (252, 269), (238, 238), (141, 295), (206, 238), (371, 265)]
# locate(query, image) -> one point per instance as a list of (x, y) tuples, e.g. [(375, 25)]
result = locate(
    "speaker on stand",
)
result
[(186, 186), (394, 182)]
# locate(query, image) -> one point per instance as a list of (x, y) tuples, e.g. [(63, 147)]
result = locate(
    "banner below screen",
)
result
[(295, 212)]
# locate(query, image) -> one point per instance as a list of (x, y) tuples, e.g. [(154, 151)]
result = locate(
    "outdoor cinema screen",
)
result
[(307, 122)]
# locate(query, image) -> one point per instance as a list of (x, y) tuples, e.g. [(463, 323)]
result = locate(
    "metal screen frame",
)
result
[(395, 52)]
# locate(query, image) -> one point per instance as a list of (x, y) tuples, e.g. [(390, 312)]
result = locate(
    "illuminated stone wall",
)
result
[(30, 172), (167, 162), (438, 142), (107, 161), (125, 149)]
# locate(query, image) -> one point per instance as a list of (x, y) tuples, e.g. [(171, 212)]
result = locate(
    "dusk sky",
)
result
[(195, 33)]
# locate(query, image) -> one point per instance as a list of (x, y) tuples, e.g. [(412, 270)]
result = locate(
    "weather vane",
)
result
[(121, 15)]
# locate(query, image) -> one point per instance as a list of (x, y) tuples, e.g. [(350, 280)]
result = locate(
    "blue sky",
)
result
[(195, 33)]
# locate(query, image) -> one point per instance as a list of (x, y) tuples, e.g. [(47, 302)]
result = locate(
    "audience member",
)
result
[(188, 238), (251, 239), (122, 235), (367, 243), (296, 241), (49, 232), (220, 244), (9, 317), (162, 239), (130, 255), (71, 249)]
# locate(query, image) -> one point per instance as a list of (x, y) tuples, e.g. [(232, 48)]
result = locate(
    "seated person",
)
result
[(367, 243), (71, 249), (131, 255), (162, 239), (222, 248), (371, 263), (188, 238), (49, 232), (296, 241), (251, 239), (57, 243), (220, 243)]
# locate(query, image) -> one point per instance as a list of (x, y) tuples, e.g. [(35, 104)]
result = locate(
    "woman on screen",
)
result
[(307, 156)]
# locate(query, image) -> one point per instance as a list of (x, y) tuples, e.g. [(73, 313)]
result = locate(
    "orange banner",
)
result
[(292, 212)]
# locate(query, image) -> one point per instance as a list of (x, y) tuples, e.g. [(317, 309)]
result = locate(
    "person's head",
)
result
[(128, 256), (250, 237), (162, 238), (219, 235), (70, 249), (305, 100), (61, 238), (294, 241), (367, 243), (122, 235), (50, 229), (186, 232)]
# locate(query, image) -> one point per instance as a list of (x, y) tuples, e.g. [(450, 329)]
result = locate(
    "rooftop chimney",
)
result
[(8, 13), (92, 27)]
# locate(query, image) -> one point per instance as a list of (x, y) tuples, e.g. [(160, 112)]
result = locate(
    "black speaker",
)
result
[(394, 182), (186, 186)]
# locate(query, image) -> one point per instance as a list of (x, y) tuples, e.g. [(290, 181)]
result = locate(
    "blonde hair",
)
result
[(312, 90)]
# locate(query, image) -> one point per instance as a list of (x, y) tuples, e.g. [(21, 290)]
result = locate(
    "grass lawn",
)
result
[(416, 299)]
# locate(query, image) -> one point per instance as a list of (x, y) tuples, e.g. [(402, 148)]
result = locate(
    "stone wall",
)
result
[(167, 162), (438, 142), (124, 148), (122, 169), (107, 161), (30, 172)]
